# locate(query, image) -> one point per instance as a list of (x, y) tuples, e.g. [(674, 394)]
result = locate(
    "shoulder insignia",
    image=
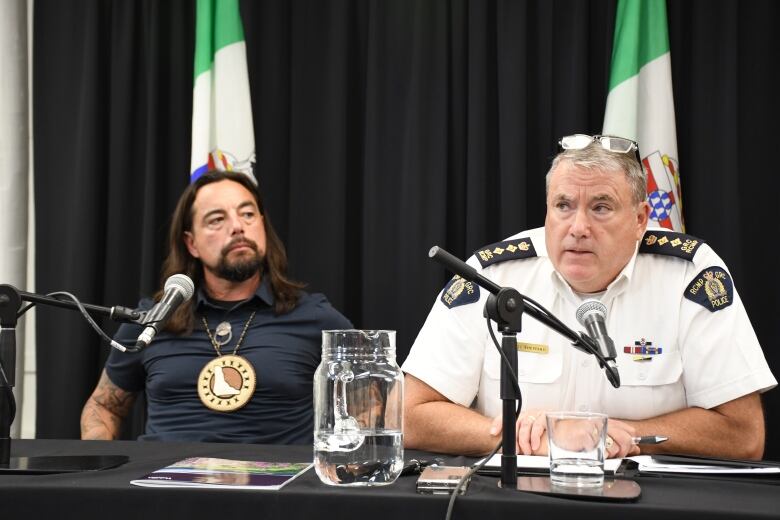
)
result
[(459, 292), (670, 243), (712, 289), (507, 250)]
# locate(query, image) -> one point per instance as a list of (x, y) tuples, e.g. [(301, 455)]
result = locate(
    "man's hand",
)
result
[(532, 439)]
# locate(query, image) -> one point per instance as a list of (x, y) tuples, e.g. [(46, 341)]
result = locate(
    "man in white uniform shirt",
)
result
[(691, 367)]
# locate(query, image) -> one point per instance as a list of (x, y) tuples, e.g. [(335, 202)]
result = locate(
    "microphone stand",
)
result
[(505, 306), (10, 303)]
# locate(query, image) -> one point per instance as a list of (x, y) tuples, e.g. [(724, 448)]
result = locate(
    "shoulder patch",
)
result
[(670, 243), (712, 289), (459, 292), (507, 250)]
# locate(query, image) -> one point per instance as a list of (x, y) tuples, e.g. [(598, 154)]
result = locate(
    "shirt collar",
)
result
[(263, 295)]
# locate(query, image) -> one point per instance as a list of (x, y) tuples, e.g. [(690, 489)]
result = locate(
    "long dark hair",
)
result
[(286, 292)]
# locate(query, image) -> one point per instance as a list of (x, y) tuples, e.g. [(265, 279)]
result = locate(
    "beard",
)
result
[(244, 266)]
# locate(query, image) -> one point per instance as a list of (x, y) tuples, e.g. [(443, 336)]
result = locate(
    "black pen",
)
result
[(649, 439)]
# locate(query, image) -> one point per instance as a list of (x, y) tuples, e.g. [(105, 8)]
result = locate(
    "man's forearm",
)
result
[(731, 430), (446, 427), (97, 423), (102, 415)]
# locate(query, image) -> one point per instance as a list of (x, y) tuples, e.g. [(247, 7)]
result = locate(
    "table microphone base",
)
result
[(60, 464), (613, 490)]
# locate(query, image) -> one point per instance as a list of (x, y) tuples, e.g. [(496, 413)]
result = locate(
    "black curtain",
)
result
[(382, 128)]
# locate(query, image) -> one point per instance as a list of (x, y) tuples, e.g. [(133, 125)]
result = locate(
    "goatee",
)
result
[(242, 268)]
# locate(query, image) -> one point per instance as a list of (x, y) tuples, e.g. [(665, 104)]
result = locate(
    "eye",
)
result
[(248, 215), (562, 205), (602, 208), (215, 221)]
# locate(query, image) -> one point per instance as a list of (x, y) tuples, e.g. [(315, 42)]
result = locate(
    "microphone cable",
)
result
[(86, 316)]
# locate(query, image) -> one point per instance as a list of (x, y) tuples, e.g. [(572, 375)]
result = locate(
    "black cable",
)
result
[(25, 309), (92, 322)]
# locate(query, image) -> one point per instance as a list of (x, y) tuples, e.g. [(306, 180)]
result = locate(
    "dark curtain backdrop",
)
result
[(382, 128)]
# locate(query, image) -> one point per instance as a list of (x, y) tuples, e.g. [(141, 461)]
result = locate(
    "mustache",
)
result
[(239, 241)]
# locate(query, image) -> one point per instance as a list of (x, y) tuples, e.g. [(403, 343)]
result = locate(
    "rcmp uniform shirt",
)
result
[(284, 350), (681, 333)]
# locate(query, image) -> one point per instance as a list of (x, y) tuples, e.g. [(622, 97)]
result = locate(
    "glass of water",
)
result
[(576, 446), (358, 409)]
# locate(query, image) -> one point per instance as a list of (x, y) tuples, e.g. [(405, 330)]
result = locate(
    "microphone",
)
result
[(592, 315), (178, 289)]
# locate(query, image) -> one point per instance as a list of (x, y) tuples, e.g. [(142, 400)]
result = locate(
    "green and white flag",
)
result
[(223, 137), (640, 104)]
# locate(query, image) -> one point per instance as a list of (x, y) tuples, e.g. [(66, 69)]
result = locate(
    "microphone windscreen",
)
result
[(182, 282), (588, 307)]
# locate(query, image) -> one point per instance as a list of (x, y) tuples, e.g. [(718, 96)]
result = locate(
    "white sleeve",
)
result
[(449, 350), (722, 359)]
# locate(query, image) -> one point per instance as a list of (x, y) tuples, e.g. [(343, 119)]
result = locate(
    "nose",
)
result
[(236, 225), (580, 225)]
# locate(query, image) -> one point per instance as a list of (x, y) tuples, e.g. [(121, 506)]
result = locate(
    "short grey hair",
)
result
[(595, 158)]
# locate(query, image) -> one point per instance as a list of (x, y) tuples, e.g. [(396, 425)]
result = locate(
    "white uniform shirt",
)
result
[(693, 356)]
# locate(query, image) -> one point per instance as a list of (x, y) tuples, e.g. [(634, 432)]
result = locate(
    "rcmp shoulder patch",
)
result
[(712, 289), (506, 250), (459, 292), (670, 243)]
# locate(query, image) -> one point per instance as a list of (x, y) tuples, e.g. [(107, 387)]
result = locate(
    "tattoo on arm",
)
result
[(102, 416)]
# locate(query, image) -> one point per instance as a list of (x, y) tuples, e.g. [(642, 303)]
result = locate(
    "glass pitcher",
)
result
[(358, 409)]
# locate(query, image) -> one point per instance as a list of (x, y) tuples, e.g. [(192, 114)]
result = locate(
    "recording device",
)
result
[(178, 289), (592, 315)]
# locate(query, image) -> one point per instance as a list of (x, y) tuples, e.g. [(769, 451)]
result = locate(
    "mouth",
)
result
[(240, 245)]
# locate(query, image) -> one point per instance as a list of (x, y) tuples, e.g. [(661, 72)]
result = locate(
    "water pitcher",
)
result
[(358, 409)]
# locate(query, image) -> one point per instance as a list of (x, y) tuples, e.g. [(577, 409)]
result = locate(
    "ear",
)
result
[(189, 241), (642, 217)]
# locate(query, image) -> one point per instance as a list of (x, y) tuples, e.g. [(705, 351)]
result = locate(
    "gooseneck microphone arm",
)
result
[(116, 313)]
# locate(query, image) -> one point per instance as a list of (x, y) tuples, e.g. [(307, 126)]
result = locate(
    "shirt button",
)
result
[(585, 364), (642, 376), (583, 408), (521, 372)]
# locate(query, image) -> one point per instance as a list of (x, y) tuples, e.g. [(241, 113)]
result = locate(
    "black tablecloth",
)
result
[(108, 494)]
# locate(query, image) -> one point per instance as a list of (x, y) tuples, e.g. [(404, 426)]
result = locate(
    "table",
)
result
[(109, 495)]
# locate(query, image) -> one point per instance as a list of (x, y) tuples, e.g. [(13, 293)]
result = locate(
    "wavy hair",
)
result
[(179, 260)]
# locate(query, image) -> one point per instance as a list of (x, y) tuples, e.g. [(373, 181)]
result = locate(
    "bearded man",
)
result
[(236, 362)]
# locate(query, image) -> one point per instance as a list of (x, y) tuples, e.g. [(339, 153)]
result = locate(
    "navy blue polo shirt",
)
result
[(283, 349)]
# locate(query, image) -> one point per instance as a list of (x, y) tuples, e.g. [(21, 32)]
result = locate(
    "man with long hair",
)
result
[(235, 363)]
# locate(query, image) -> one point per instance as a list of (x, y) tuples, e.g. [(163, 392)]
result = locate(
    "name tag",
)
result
[(534, 348)]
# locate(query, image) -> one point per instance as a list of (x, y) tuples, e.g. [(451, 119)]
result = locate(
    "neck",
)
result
[(229, 291)]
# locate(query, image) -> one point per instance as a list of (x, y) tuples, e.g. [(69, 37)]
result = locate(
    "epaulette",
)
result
[(670, 243), (506, 250)]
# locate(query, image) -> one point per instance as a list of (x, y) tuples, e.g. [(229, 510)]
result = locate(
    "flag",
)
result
[(223, 137), (640, 104)]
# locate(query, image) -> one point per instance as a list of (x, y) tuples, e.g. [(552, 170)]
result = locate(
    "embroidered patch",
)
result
[(507, 250), (459, 292), (712, 289), (670, 243)]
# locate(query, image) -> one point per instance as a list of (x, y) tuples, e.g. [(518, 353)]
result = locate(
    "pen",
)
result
[(649, 439)]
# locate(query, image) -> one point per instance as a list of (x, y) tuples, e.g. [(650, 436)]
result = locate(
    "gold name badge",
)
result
[(534, 348)]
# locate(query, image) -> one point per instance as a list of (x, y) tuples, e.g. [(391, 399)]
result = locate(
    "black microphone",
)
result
[(592, 315), (178, 289)]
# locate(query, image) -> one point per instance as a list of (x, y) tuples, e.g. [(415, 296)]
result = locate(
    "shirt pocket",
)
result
[(532, 367), (650, 370)]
